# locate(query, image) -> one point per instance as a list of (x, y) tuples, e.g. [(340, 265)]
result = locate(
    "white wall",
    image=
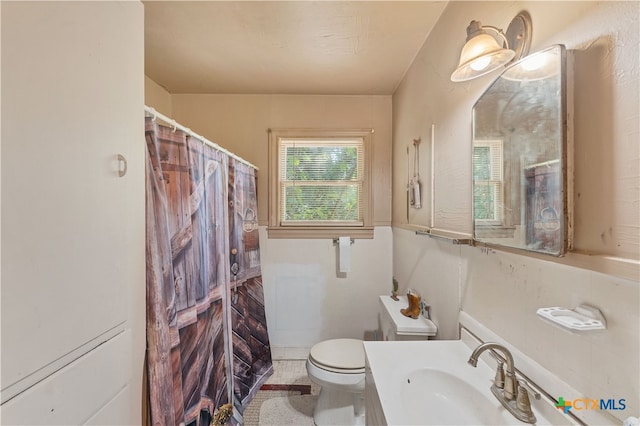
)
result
[(305, 300), (73, 317), (503, 290)]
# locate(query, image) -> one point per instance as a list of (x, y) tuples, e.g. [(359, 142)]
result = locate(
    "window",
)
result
[(319, 183), (487, 182)]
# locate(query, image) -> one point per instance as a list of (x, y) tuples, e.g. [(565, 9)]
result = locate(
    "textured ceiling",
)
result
[(285, 47)]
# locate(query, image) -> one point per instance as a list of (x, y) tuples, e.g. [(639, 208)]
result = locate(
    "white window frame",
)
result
[(277, 227), (496, 181)]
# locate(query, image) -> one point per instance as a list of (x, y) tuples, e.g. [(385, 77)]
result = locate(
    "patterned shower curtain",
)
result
[(207, 342), (251, 350)]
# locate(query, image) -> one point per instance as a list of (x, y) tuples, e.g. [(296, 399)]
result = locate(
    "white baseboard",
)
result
[(289, 352)]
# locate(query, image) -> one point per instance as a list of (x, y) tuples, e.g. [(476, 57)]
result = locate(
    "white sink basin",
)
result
[(440, 397), (431, 383)]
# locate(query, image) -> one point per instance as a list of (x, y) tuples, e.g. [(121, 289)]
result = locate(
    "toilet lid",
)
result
[(347, 354)]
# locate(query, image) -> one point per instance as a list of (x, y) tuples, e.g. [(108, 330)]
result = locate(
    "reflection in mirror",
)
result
[(520, 156)]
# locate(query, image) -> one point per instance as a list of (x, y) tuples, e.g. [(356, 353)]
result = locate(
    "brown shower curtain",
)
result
[(251, 350), (207, 342)]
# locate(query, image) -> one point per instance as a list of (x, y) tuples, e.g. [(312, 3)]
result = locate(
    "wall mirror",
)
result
[(519, 158)]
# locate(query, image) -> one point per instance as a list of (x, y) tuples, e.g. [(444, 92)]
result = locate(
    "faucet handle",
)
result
[(522, 401), (524, 385), (510, 386), (499, 379)]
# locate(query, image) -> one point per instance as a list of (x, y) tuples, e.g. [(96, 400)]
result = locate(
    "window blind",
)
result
[(488, 180), (321, 181)]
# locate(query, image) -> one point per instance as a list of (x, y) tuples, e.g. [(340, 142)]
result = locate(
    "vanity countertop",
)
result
[(430, 382)]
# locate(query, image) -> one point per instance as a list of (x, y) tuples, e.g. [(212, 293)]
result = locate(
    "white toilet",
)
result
[(338, 365)]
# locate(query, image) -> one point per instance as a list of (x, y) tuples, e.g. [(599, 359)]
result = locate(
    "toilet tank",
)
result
[(392, 325)]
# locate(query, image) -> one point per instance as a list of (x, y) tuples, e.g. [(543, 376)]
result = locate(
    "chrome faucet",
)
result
[(510, 392), (510, 379)]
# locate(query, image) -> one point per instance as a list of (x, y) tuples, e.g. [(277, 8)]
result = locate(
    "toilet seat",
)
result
[(344, 356)]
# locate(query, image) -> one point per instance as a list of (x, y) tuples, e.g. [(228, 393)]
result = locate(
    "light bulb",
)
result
[(480, 63)]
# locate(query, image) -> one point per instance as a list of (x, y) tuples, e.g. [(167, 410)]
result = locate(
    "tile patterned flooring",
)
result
[(281, 407), (289, 371)]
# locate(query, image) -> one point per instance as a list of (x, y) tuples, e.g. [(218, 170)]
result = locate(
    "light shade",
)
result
[(537, 66), (480, 55)]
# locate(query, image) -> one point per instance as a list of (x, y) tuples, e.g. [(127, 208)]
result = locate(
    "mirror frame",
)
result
[(565, 169)]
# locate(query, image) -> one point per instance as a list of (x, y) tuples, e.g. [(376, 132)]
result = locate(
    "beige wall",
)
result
[(606, 115), (503, 290), (240, 122), (157, 97)]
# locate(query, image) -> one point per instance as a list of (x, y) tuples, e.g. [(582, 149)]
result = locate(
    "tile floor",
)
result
[(289, 371), (281, 407)]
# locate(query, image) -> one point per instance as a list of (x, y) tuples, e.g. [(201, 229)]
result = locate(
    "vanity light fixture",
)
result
[(484, 52), (537, 66)]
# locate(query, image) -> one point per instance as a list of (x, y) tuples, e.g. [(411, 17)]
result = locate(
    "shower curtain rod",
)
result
[(155, 114)]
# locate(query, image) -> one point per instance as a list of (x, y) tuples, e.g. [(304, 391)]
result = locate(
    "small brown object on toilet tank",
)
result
[(413, 310)]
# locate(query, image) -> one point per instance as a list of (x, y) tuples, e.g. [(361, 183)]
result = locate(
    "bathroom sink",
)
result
[(431, 383), (438, 397)]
